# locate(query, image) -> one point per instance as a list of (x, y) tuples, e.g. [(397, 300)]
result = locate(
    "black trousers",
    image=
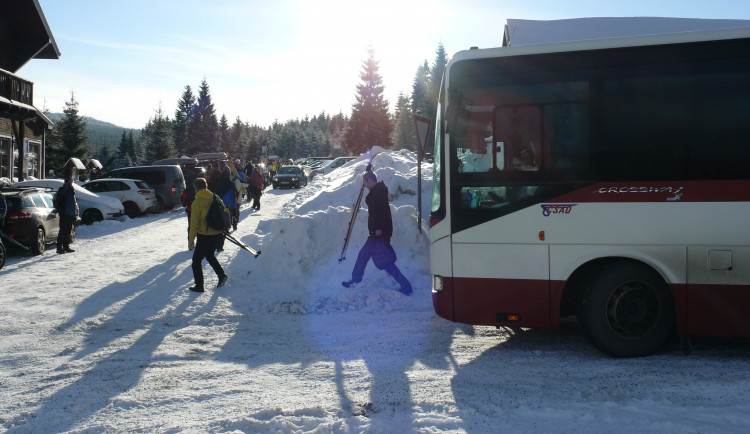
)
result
[(66, 229), (256, 197), (205, 247)]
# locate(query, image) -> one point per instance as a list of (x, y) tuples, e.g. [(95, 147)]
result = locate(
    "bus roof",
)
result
[(603, 43), (533, 32)]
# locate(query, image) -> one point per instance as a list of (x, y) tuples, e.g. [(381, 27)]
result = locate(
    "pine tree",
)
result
[(68, 137), (203, 129), (158, 138), (224, 143), (370, 124), (404, 133), (182, 117), (420, 89)]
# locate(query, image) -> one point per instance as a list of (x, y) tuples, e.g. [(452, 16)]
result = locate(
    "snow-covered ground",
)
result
[(109, 339)]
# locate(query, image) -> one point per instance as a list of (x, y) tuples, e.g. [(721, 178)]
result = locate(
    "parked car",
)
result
[(137, 196), (3, 212), (289, 176), (92, 207), (333, 165), (30, 219), (167, 180), (191, 168)]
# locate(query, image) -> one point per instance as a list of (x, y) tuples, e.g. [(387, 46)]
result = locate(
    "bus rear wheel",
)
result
[(627, 310)]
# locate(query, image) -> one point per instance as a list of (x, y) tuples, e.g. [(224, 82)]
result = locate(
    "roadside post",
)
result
[(423, 127)]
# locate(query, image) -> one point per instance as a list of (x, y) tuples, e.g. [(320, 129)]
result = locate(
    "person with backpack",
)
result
[(67, 207), (208, 238)]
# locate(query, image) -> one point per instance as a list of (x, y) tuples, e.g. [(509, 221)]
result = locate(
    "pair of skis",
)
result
[(354, 213)]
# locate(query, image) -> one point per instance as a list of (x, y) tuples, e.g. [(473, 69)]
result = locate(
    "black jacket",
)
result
[(379, 211)]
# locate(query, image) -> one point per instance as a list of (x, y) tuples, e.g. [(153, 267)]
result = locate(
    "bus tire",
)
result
[(626, 310)]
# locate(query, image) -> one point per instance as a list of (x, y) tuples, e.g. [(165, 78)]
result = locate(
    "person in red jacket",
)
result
[(378, 244), (256, 186)]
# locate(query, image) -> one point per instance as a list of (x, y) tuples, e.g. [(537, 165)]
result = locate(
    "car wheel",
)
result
[(92, 215), (2, 254), (274, 186), (40, 242), (131, 209), (627, 310)]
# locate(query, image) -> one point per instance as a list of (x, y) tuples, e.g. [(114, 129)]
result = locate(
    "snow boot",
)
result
[(349, 283), (222, 281), (196, 288)]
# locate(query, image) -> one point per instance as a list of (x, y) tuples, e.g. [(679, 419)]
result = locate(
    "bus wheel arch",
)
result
[(624, 306)]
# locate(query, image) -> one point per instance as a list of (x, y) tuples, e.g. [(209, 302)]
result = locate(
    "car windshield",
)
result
[(288, 171)]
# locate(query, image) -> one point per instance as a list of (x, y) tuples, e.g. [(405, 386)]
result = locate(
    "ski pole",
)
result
[(242, 245), (355, 211)]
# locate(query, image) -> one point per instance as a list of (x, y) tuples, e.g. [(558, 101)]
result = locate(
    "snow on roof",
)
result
[(531, 32)]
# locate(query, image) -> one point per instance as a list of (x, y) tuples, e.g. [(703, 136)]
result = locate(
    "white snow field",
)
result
[(109, 339)]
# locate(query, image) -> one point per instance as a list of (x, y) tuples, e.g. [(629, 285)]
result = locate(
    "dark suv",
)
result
[(31, 218), (167, 180)]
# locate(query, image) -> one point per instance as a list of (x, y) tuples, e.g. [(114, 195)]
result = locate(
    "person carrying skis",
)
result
[(208, 239), (378, 244)]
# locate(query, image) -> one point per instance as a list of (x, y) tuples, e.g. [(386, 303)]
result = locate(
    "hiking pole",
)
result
[(242, 245)]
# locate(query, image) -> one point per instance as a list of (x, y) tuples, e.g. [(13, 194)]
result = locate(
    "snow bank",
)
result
[(299, 267)]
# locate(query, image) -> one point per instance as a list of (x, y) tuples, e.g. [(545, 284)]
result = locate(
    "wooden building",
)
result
[(24, 35)]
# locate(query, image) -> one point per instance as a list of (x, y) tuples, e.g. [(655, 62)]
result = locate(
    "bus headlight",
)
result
[(437, 284)]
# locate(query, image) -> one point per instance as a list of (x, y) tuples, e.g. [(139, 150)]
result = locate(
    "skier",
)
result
[(378, 244), (208, 239)]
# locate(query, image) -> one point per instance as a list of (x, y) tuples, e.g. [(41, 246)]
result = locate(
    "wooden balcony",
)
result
[(15, 88)]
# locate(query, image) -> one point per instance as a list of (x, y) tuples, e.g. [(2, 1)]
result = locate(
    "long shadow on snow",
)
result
[(144, 304), (389, 344)]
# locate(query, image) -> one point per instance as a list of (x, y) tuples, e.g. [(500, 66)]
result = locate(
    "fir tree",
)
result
[(224, 143), (203, 129), (237, 138), (68, 137), (182, 117), (420, 89), (158, 139), (370, 124), (404, 133)]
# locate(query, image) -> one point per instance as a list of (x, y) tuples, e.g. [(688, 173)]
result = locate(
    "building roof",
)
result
[(24, 34), (532, 32)]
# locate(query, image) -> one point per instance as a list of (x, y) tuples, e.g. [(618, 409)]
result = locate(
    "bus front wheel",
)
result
[(626, 310)]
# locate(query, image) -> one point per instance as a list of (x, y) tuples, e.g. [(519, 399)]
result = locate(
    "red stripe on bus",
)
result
[(711, 310), (660, 191)]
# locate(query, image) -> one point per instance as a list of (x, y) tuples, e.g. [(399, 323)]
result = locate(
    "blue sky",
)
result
[(277, 60)]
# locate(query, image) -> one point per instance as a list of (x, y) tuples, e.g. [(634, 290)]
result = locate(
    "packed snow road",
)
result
[(109, 339)]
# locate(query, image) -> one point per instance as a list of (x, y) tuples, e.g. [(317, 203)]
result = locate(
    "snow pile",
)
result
[(299, 265)]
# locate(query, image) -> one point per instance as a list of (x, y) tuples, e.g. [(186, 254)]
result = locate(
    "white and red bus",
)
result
[(606, 179)]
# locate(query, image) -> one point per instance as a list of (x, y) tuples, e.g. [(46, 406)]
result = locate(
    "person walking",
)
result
[(207, 239), (67, 207), (256, 186), (378, 244)]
